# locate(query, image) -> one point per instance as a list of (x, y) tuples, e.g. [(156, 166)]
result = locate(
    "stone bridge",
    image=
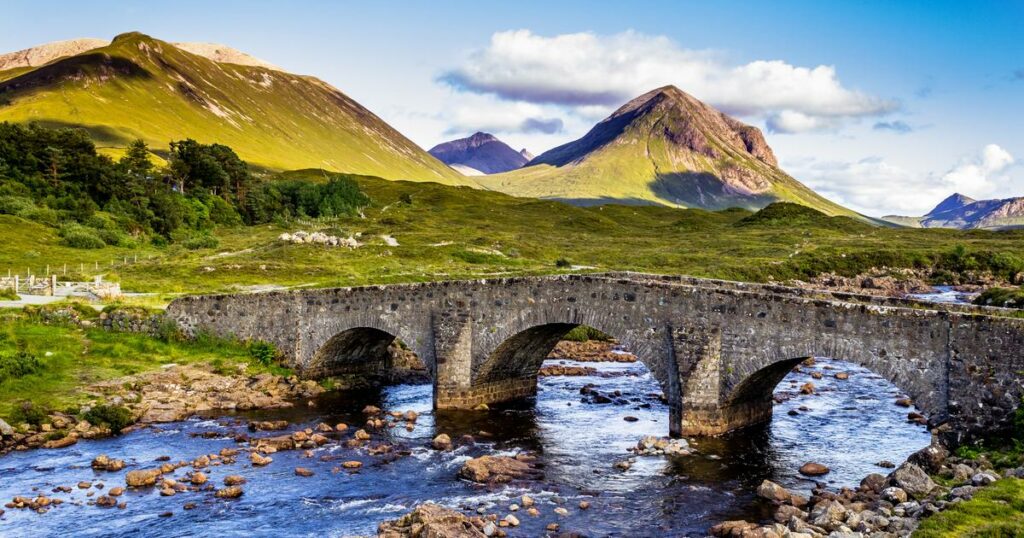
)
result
[(717, 348)]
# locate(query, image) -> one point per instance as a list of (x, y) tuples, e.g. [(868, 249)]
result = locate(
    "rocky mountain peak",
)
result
[(952, 203), (480, 151)]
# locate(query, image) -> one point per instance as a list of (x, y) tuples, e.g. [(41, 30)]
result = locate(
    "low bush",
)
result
[(201, 241), (26, 413), (19, 363), (114, 417), (83, 239), (1005, 297), (8, 294), (262, 352), (584, 333)]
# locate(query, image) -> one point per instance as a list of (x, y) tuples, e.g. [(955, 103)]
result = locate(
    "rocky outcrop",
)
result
[(48, 52), (430, 521)]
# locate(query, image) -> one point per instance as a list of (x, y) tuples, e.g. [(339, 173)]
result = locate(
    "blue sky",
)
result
[(884, 106)]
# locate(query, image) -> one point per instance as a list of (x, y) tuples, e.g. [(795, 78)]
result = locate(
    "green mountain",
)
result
[(140, 87), (664, 147)]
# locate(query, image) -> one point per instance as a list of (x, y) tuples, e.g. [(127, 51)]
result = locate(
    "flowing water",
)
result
[(849, 426)]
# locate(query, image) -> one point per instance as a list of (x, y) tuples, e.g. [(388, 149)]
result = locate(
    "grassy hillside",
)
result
[(447, 233), (140, 87)]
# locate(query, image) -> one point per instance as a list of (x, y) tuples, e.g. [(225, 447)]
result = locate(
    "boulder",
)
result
[(259, 460), (773, 492), (442, 442), (873, 482), (104, 463), (930, 458), (494, 469), (430, 521), (304, 472), (230, 492), (828, 514), (141, 478), (234, 480), (983, 478), (5, 429), (894, 495), (813, 469), (912, 479)]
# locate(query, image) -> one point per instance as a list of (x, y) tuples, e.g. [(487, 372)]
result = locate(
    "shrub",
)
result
[(8, 294), (114, 417), (83, 239), (27, 413), (1005, 297), (19, 363), (114, 238), (201, 241), (583, 333), (563, 263), (262, 352), (15, 205)]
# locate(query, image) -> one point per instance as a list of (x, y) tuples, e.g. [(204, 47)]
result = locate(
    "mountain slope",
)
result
[(481, 151), (663, 147), (962, 212), (140, 87)]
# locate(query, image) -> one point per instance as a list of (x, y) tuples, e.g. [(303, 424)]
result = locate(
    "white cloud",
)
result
[(473, 113), (591, 72), (875, 187), (977, 174)]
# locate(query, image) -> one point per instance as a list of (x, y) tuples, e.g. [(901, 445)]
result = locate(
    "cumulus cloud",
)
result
[(589, 70), (978, 174), (489, 114), (896, 126), (876, 187)]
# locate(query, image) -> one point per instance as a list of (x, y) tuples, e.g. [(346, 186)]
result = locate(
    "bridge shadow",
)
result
[(364, 357)]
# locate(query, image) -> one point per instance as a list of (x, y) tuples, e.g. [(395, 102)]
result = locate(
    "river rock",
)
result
[(828, 514), (983, 478), (962, 473), (304, 472), (5, 429), (442, 442), (268, 425), (430, 521), (104, 463), (234, 480), (259, 460), (912, 479), (494, 469), (106, 501), (873, 482), (807, 388), (733, 529), (813, 469), (352, 464), (198, 478), (142, 478), (930, 458), (894, 495), (773, 492), (116, 492), (230, 492), (63, 442)]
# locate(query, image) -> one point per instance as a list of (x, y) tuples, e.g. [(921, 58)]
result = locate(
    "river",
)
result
[(848, 425)]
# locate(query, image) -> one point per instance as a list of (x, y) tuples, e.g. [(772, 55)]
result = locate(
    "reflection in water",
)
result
[(849, 426)]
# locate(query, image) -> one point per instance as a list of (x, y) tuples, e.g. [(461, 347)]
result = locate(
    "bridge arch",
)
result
[(735, 379), (370, 354)]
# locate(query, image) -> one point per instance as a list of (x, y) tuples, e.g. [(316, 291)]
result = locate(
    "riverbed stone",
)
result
[(429, 520), (813, 469), (442, 442), (912, 479), (494, 469), (142, 478)]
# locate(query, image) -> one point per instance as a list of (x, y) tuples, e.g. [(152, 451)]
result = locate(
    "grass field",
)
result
[(70, 359), (996, 511), (450, 233)]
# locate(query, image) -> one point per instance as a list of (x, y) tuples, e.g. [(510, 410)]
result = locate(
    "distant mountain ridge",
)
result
[(482, 152), (663, 147), (962, 212), (141, 87)]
